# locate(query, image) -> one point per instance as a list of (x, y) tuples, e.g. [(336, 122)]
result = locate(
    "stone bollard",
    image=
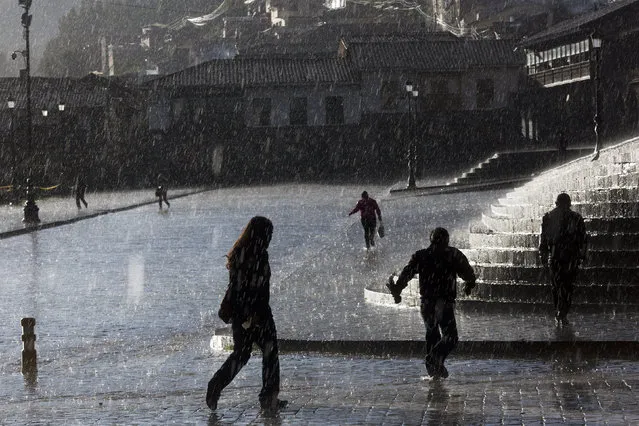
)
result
[(29, 362)]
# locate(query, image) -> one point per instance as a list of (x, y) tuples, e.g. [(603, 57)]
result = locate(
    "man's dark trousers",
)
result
[(369, 231), (562, 278), (441, 329)]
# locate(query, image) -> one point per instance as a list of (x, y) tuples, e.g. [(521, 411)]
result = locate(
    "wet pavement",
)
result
[(111, 377), (332, 390)]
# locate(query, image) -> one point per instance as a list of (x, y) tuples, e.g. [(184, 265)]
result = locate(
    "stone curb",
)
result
[(55, 223), (520, 349), (453, 188)]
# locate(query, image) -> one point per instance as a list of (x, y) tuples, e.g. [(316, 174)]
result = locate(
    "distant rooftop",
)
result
[(241, 72), (432, 55), (580, 24)]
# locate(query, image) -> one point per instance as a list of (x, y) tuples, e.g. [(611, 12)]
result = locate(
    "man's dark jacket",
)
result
[(438, 270)]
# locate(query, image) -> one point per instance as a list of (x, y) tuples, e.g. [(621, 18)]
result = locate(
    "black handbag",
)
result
[(226, 307)]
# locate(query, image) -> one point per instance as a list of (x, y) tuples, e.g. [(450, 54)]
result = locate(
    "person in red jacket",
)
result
[(368, 209)]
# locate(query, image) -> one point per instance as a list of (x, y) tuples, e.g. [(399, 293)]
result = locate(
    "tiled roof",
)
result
[(49, 92), (433, 55), (241, 72), (324, 39), (578, 24)]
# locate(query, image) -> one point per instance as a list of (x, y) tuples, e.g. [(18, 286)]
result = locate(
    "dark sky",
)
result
[(44, 26)]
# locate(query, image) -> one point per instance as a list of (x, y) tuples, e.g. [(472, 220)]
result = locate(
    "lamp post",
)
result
[(412, 149), (595, 45), (30, 207)]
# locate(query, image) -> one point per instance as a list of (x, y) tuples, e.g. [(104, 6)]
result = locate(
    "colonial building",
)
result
[(251, 119), (584, 69), (466, 92), (344, 116), (86, 125)]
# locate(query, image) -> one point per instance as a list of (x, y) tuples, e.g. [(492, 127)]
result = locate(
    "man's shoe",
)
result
[(442, 372), (272, 404), (431, 366)]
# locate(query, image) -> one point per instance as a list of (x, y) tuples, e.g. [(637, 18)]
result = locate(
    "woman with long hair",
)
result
[(251, 318)]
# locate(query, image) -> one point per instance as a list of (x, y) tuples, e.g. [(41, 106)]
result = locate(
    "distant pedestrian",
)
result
[(250, 315), (438, 267), (562, 144), (161, 191), (369, 212), (80, 189), (562, 249)]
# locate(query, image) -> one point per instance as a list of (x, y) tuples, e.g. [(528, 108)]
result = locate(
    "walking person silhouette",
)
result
[(161, 191), (250, 315), (438, 267), (562, 249), (368, 208), (80, 189)]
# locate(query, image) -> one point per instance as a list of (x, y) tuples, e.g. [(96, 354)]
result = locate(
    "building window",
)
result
[(334, 110), (389, 95), (485, 93), (298, 112), (262, 111)]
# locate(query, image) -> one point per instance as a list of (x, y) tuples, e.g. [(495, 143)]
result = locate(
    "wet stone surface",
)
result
[(126, 305), (338, 390)]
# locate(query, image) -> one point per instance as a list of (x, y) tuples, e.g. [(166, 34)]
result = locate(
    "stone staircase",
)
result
[(515, 166), (503, 246)]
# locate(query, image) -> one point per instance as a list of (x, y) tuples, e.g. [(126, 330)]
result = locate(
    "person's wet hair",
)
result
[(364, 194), (563, 200), (255, 237), (439, 237)]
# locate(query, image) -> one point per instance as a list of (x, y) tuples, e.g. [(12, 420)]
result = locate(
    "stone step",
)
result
[(624, 180), (513, 164), (530, 257), (625, 156), (480, 238), (614, 195), (594, 209), (533, 225), (600, 275), (541, 293), (547, 186), (585, 169)]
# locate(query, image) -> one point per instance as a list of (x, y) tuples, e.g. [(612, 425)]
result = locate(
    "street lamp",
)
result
[(412, 149), (30, 207), (595, 44)]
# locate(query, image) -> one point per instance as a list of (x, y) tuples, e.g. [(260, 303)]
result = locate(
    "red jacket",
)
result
[(367, 208)]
